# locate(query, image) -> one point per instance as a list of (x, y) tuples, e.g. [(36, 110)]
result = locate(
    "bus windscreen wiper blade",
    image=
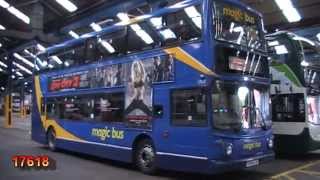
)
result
[(264, 124)]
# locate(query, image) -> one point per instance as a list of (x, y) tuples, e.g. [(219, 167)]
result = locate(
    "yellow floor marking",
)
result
[(313, 173), (285, 174), (289, 177)]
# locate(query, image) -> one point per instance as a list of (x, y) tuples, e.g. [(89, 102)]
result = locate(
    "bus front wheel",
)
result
[(145, 157), (52, 140)]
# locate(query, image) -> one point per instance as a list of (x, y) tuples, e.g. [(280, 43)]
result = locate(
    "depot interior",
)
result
[(29, 27)]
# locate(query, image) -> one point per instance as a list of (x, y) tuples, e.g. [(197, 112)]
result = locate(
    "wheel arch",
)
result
[(137, 140), (48, 130)]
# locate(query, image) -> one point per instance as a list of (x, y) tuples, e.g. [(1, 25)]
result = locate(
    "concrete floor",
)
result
[(16, 141)]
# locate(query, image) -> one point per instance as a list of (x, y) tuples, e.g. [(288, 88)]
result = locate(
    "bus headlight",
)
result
[(270, 143), (229, 149)]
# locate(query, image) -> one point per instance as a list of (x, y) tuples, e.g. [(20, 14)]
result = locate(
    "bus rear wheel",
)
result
[(52, 140), (145, 157)]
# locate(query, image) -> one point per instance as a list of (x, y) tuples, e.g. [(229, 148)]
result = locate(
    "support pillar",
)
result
[(8, 111), (8, 97), (22, 105)]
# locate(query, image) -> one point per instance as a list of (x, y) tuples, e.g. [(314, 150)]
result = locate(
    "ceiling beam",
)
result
[(306, 23), (51, 8), (97, 13), (37, 16)]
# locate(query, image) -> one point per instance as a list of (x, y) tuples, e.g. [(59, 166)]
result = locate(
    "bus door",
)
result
[(188, 133)]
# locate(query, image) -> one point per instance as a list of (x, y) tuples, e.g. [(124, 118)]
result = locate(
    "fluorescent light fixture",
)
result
[(29, 53), (318, 36), (74, 35), (178, 5), (0, 45), (37, 68), (107, 46), (41, 48), (139, 31), (168, 34), (2, 27), (22, 68), (135, 27), (18, 56), (45, 63), (288, 10), (281, 49), (273, 43), (157, 22), (123, 17), (299, 38), (42, 63), (19, 74), (3, 64), (1, 70), (19, 14), (292, 15), (2, 88), (4, 4), (13, 76), (304, 63), (194, 15), (95, 27), (35, 57), (66, 64), (145, 36), (68, 5), (56, 59), (50, 66)]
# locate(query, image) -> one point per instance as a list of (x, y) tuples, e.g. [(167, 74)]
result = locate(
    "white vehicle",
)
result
[(295, 92)]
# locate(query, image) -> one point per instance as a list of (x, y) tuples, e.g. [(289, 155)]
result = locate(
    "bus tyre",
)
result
[(145, 157), (52, 140)]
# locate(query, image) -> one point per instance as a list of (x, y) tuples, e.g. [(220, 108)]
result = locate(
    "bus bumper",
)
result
[(224, 166)]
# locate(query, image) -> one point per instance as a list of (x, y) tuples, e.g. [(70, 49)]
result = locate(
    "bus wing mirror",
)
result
[(158, 111)]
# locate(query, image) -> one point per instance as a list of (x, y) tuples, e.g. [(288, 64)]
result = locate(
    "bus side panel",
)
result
[(184, 164), (109, 140), (117, 154)]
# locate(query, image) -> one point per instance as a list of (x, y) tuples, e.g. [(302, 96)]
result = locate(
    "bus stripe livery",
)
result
[(186, 58)]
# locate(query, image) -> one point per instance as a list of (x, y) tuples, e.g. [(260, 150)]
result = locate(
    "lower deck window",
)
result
[(288, 108), (188, 107), (101, 107)]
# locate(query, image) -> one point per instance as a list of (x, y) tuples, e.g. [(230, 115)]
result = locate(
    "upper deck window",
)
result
[(238, 26), (169, 29)]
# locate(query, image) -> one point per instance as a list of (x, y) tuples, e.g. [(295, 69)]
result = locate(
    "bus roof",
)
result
[(122, 25), (311, 49), (118, 26)]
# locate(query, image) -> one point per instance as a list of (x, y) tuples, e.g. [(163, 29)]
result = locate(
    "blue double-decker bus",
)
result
[(181, 85)]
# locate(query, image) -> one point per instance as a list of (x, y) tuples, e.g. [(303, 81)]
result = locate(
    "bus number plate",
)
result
[(252, 163)]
